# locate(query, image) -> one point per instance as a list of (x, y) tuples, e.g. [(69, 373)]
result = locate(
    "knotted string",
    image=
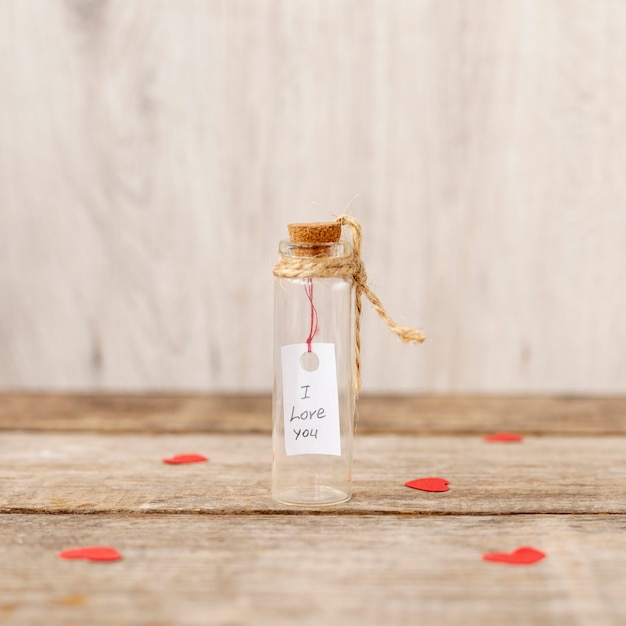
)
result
[(347, 267)]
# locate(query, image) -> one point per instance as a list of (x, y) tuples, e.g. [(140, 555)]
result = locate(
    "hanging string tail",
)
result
[(405, 333), (347, 267)]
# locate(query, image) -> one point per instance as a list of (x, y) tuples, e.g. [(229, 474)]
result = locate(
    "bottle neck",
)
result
[(338, 249)]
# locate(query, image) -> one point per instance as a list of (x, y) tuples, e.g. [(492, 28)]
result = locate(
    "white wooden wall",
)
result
[(153, 151)]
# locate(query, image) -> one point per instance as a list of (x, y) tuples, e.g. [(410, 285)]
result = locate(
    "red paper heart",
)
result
[(91, 553), (185, 458), (520, 556), (505, 437), (429, 484)]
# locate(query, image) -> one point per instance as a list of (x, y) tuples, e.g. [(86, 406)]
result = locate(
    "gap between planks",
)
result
[(354, 513)]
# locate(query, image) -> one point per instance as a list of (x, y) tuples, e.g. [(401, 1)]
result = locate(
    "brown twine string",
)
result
[(347, 267)]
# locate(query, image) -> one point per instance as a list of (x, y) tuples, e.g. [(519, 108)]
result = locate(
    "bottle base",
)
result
[(315, 495)]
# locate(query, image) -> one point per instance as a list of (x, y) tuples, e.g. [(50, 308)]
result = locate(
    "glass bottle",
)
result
[(313, 396)]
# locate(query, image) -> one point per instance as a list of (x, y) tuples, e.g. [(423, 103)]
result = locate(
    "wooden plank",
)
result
[(193, 570), (55, 472), (424, 415), (146, 147), (136, 412)]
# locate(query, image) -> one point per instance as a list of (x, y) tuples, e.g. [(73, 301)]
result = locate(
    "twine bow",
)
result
[(347, 267)]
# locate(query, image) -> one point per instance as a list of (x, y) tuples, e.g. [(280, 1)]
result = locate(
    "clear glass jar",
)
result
[(313, 315)]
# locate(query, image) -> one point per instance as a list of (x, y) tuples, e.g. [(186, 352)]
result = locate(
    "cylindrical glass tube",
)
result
[(313, 397)]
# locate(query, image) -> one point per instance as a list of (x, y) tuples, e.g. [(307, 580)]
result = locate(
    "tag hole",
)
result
[(309, 361)]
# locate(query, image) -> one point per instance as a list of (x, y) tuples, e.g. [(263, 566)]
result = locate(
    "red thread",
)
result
[(314, 327)]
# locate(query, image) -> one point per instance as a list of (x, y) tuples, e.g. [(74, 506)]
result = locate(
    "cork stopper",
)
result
[(314, 233)]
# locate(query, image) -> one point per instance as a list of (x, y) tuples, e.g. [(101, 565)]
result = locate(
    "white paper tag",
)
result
[(310, 400)]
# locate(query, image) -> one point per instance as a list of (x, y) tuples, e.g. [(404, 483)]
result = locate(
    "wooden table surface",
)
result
[(205, 543)]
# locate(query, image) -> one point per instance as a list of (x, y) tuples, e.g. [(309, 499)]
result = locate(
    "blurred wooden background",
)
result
[(152, 153)]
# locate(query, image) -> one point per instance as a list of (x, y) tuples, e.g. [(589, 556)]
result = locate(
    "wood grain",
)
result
[(190, 570), (424, 415), (205, 544), (97, 473), (152, 154)]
